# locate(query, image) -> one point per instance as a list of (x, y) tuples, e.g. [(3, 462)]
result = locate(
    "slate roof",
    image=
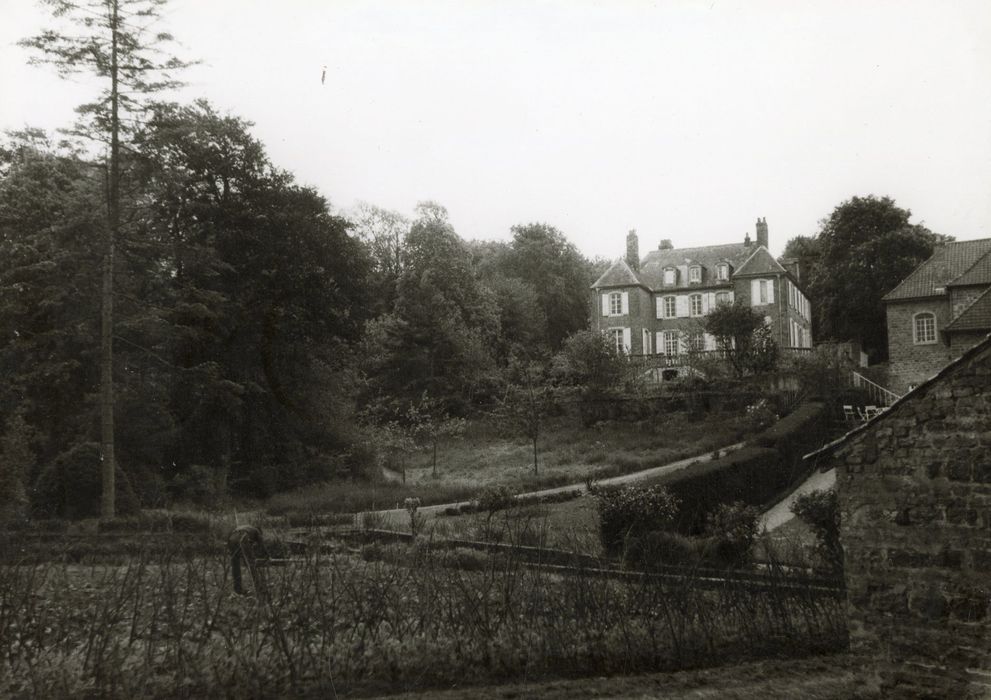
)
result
[(619, 274), (883, 415), (947, 263), (761, 262), (976, 317), (652, 266), (979, 273)]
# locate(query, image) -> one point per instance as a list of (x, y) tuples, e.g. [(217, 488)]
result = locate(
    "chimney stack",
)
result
[(746, 239), (666, 244), (762, 232), (633, 250)]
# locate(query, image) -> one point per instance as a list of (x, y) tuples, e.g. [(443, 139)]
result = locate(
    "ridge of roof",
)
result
[(977, 349), (976, 316)]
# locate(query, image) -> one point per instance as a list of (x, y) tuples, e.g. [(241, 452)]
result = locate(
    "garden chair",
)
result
[(871, 411), (848, 414), (862, 413)]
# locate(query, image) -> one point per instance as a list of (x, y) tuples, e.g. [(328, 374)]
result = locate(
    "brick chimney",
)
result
[(666, 244), (746, 239), (762, 232), (633, 250)]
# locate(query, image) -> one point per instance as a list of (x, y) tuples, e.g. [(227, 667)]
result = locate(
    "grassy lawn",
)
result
[(567, 452)]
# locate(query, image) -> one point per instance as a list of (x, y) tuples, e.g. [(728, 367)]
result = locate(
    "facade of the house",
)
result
[(938, 311), (656, 305), (914, 489)]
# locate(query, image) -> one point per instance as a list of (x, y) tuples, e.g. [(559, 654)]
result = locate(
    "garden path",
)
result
[(401, 517)]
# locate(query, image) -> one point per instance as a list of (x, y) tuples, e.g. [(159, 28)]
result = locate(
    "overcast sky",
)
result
[(685, 120)]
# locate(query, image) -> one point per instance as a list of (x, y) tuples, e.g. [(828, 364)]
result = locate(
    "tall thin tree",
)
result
[(116, 41)]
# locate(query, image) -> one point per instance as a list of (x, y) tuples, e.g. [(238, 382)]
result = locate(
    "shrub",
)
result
[(734, 529), (632, 511), (70, 486), (494, 498), (662, 548), (820, 510)]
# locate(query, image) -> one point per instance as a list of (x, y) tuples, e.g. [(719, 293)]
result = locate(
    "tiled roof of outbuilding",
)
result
[(947, 263), (976, 317), (978, 273)]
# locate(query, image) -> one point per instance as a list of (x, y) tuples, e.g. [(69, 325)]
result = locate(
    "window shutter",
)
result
[(627, 337), (626, 303), (605, 304), (707, 302), (755, 292), (770, 291), (681, 306), (730, 299), (659, 301), (659, 342)]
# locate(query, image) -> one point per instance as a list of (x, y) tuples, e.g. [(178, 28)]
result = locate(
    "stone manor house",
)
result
[(655, 306)]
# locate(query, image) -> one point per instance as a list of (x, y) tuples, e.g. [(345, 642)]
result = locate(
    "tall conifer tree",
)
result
[(116, 41)]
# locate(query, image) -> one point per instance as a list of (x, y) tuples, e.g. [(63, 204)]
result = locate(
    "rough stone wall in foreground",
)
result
[(915, 495)]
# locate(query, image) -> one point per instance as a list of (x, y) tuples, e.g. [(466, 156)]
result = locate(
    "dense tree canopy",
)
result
[(862, 251)]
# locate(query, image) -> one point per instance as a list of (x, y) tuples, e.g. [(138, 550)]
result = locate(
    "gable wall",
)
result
[(909, 363), (915, 497), (961, 298)]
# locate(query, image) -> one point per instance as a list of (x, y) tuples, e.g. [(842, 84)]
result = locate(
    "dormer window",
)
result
[(695, 274), (670, 276), (722, 272)]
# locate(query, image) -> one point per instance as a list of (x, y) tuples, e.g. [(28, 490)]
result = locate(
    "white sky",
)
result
[(686, 120)]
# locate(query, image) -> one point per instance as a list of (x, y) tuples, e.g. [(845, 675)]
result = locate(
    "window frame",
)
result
[(674, 306), (722, 272), (673, 271), (617, 338), (722, 298), (762, 295), (924, 316), (615, 303), (672, 338), (695, 274), (692, 298)]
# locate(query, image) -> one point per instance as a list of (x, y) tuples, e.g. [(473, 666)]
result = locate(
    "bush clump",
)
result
[(820, 510), (632, 511)]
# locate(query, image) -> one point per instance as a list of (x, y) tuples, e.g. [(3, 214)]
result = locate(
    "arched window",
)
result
[(924, 328), (695, 274)]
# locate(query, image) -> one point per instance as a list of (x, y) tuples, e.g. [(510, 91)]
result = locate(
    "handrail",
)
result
[(878, 393)]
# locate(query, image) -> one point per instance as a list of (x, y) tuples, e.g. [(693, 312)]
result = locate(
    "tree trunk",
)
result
[(435, 458), (534, 455), (108, 507)]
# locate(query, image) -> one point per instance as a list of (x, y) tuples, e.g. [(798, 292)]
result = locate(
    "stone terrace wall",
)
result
[(915, 495)]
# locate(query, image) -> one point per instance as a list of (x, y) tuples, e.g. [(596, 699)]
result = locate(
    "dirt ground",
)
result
[(834, 677)]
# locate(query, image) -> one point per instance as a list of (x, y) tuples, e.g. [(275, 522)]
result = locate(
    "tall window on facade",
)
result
[(617, 338), (696, 341), (670, 342), (925, 328), (670, 276), (695, 304), (722, 297), (695, 274), (763, 291), (668, 307), (616, 303), (722, 272)]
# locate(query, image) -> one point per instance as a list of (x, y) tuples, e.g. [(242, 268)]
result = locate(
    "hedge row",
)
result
[(758, 474)]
